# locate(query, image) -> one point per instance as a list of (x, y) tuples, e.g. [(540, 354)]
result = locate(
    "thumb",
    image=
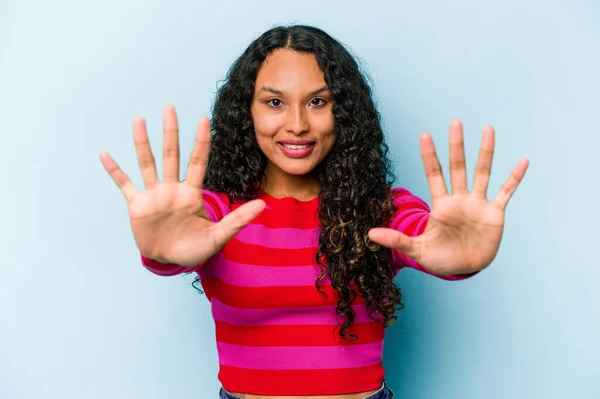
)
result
[(233, 222), (394, 239)]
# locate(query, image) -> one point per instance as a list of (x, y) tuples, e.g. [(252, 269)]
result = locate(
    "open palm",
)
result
[(464, 229), (169, 221)]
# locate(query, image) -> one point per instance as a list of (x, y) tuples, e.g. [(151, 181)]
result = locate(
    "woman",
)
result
[(291, 224)]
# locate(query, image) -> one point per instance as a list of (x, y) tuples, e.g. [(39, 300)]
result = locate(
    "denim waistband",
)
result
[(382, 393)]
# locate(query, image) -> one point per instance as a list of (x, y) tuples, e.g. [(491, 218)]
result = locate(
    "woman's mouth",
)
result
[(296, 150)]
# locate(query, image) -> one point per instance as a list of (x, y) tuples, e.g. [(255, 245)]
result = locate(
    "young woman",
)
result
[(288, 216)]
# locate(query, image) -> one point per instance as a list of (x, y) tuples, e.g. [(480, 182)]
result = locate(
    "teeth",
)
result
[(296, 147)]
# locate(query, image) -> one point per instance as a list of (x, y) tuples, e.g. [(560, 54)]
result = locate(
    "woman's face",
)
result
[(292, 113)]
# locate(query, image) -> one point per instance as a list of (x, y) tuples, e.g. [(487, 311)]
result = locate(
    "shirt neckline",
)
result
[(288, 202)]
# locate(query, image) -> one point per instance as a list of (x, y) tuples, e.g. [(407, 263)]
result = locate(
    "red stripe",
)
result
[(302, 382), (303, 335), (166, 269), (210, 202), (240, 252), (276, 218), (401, 196), (223, 197), (411, 228), (271, 297)]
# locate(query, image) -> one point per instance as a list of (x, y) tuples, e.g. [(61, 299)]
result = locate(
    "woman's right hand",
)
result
[(168, 219)]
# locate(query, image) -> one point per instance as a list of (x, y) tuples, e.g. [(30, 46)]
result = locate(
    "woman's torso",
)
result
[(276, 333)]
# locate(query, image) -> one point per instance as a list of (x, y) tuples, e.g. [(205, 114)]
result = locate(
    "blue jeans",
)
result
[(382, 393)]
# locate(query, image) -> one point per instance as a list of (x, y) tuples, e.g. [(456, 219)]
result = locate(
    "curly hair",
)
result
[(355, 176)]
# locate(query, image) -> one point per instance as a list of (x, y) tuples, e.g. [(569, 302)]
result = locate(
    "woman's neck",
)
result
[(279, 184)]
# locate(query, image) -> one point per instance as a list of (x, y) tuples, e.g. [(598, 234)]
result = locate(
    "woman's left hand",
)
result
[(464, 229)]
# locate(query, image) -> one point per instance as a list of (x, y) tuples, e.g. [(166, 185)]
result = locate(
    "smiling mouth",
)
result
[(296, 146), (296, 150)]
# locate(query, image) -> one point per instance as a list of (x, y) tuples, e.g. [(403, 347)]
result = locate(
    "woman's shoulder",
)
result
[(399, 192), (216, 196), (404, 196), (216, 203)]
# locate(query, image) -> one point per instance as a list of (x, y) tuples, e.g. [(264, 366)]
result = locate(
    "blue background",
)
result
[(81, 318)]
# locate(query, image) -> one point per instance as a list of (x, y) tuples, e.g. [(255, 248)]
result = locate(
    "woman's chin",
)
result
[(296, 168)]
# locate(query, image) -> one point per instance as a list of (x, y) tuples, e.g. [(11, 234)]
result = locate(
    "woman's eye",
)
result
[(316, 102), (275, 103)]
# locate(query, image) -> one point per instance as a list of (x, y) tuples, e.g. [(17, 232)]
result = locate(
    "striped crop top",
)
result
[(276, 334)]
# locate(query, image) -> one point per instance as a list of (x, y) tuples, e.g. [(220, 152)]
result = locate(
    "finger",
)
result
[(144, 153), (484, 162), (120, 178), (170, 145), (458, 170), (394, 239), (433, 169), (233, 222), (510, 185), (199, 157)]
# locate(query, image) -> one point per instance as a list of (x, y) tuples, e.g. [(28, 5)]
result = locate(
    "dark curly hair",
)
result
[(355, 176)]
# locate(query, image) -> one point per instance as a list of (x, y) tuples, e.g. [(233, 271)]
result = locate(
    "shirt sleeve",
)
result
[(217, 206), (411, 219)]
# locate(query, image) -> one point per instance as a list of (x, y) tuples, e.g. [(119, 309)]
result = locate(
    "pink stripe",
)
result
[(280, 238), (402, 195), (399, 258), (300, 357), (162, 269), (212, 214), (223, 208), (245, 275), (319, 315), (403, 219)]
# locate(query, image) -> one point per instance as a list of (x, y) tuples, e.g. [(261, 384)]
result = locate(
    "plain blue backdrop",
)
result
[(81, 318)]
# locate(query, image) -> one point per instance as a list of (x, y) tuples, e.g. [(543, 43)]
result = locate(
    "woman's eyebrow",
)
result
[(281, 93)]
